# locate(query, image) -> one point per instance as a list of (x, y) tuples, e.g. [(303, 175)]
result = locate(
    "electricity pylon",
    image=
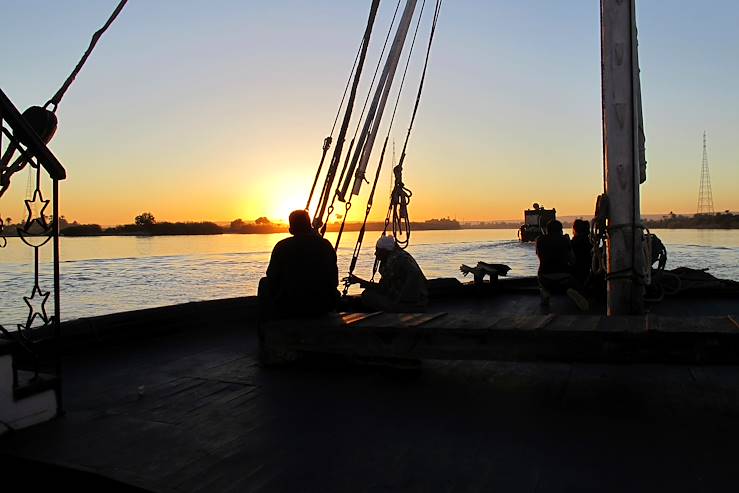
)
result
[(705, 197)]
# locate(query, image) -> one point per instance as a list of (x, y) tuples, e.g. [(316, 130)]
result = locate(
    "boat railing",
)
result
[(37, 337)]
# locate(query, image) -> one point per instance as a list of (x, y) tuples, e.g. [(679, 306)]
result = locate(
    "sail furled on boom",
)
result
[(357, 158), (318, 217), (360, 161), (360, 149)]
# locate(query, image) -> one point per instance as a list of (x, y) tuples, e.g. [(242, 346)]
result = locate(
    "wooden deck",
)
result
[(192, 411), (466, 334)]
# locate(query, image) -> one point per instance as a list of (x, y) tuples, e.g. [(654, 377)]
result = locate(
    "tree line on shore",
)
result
[(719, 220), (145, 224)]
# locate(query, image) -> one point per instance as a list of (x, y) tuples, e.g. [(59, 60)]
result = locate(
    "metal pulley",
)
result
[(42, 121)]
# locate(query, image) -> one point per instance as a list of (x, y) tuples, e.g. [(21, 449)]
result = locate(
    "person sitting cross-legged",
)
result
[(402, 286), (302, 276), (555, 262)]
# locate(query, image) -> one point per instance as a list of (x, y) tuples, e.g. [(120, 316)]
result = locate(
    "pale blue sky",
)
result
[(215, 110)]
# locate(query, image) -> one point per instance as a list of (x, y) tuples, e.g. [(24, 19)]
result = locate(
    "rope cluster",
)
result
[(400, 198), (400, 195), (599, 236)]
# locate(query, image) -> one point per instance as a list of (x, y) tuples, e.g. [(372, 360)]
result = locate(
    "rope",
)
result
[(401, 195), (56, 99), (330, 209), (407, 193), (331, 174), (363, 229), (377, 70), (355, 173), (327, 141), (399, 202), (423, 79), (370, 200)]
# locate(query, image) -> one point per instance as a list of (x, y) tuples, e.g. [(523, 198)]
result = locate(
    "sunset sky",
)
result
[(217, 110)]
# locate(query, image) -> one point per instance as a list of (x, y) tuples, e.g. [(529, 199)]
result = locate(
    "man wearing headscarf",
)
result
[(402, 286)]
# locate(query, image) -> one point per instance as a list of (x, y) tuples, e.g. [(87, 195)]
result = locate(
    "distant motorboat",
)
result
[(535, 222)]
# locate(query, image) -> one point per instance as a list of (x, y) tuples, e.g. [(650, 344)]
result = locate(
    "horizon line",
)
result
[(460, 220)]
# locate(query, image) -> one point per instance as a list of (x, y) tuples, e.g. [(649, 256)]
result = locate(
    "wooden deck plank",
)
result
[(636, 324), (461, 321), (523, 322), (715, 324), (350, 318), (465, 335), (400, 320)]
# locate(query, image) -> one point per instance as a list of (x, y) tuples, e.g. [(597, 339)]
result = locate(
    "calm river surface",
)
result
[(118, 273)]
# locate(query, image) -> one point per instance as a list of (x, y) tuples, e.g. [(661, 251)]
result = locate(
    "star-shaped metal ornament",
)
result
[(41, 219), (36, 306)]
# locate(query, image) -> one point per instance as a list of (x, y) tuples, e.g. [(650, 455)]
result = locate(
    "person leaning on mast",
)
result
[(402, 286), (302, 276), (583, 251), (555, 263)]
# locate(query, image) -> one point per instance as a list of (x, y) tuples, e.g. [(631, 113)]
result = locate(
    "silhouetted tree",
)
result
[(82, 230), (237, 224), (8, 221), (263, 221), (145, 219)]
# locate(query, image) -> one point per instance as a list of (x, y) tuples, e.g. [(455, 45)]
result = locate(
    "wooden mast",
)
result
[(621, 112)]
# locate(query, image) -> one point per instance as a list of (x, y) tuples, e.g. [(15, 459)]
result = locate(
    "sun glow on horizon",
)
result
[(277, 197)]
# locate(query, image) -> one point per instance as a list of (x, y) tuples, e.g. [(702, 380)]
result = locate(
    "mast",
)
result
[(621, 105)]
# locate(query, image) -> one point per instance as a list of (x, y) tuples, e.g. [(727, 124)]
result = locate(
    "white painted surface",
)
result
[(18, 414)]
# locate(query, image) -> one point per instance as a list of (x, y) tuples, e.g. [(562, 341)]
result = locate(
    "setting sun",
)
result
[(278, 198)]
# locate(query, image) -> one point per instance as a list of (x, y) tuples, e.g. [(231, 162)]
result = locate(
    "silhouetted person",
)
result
[(302, 275), (583, 251), (402, 286), (555, 261)]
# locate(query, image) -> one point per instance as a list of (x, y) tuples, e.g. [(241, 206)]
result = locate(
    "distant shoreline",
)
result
[(719, 221), (210, 228), (8, 234)]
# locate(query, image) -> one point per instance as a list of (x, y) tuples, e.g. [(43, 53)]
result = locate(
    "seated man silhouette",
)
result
[(555, 263), (302, 275), (402, 286), (583, 251)]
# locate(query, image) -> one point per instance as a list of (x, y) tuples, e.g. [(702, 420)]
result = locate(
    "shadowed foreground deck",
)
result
[(192, 411)]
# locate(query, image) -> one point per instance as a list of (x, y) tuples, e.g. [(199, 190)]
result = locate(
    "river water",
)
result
[(101, 275)]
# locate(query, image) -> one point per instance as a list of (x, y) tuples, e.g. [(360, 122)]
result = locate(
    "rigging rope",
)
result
[(357, 168), (56, 99), (363, 229), (330, 209), (327, 141), (360, 238), (43, 120), (384, 148), (331, 174), (401, 195)]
